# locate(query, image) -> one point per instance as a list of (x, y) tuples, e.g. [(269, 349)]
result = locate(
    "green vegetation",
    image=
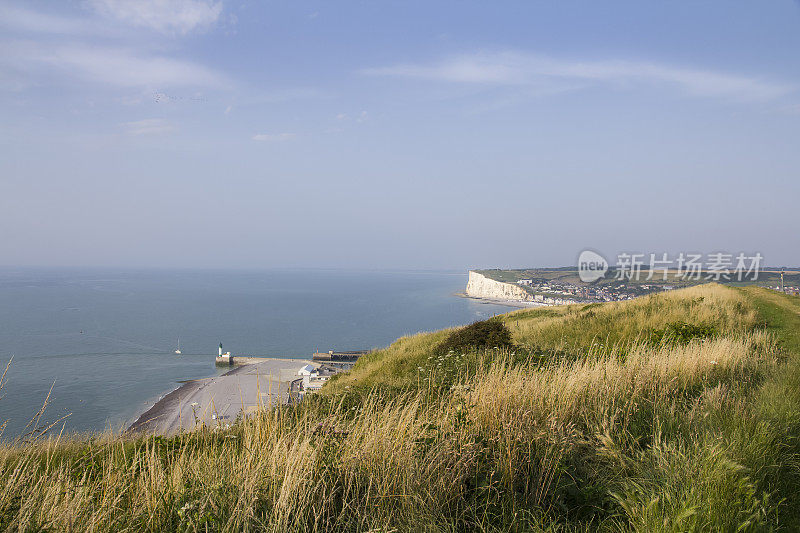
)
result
[(681, 333), (674, 412), (480, 335)]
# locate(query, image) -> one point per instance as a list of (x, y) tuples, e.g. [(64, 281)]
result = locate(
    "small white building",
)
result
[(307, 370), (315, 377)]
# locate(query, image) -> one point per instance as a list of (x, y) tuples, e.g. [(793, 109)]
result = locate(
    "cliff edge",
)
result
[(479, 286)]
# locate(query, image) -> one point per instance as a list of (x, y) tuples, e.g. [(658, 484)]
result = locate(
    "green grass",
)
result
[(779, 313), (777, 401), (674, 412), (564, 332)]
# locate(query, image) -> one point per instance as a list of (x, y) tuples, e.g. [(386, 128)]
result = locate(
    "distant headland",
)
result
[(563, 285)]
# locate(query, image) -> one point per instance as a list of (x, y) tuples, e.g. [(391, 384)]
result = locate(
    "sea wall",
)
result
[(479, 286)]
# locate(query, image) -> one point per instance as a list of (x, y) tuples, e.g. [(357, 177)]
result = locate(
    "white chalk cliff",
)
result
[(479, 286)]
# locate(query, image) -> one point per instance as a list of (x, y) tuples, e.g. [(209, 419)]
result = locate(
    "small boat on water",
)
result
[(178, 351)]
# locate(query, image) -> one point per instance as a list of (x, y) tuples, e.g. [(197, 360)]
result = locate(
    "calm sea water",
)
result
[(106, 338)]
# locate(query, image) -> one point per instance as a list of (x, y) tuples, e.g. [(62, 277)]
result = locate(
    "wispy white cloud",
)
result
[(120, 67), (523, 69), (165, 16), (274, 137), (25, 20), (148, 126), (50, 47)]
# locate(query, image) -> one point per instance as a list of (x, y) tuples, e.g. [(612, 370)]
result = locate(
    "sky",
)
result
[(407, 134)]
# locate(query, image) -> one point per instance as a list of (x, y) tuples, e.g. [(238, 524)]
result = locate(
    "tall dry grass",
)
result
[(574, 328), (506, 448), (622, 435), (610, 385), (564, 332)]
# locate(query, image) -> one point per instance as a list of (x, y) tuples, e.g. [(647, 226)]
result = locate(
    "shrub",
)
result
[(681, 333), (485, 334)]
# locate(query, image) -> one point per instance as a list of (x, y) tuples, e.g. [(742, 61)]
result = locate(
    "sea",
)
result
[(101, 343)]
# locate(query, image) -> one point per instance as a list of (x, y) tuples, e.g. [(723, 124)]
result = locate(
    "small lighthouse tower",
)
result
[(224, 358)]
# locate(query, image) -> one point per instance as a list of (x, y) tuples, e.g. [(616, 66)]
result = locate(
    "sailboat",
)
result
[(178, 351)]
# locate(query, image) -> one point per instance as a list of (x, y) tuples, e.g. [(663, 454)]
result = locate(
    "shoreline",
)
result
[(519, 304), (208, 400), (219, 400)]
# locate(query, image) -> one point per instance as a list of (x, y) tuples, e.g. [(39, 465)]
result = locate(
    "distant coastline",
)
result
[(498, 301), (219, 400)]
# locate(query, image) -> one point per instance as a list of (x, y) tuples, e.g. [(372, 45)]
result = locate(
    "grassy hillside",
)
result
[(674, 412), (563, 332)]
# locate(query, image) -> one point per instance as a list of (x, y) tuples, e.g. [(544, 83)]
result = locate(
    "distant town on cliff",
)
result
[(562, 285)]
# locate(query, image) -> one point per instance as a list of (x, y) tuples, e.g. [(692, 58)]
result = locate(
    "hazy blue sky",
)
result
[(396, 134)]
